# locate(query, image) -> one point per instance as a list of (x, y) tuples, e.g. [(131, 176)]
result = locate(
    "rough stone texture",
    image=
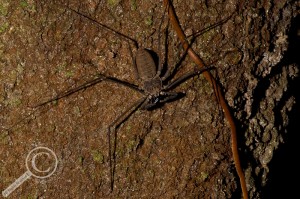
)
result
[(180, 150)]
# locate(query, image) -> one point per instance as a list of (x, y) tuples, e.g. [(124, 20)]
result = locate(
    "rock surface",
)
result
[(180, 150)]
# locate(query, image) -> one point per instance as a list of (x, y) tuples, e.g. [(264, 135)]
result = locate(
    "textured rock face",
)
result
[(179, 150), (269, 91)]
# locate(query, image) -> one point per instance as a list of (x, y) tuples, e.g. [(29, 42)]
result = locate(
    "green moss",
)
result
[(23, 3), (97, 156), (62, 68), (3, 9), (133, 5), (80, 160), (3, 27), (4, 138), (204, 176), (14, 102), (131, 145), (149, 21), (31, 197), (69, 73), (113, 3), (128, 129), (119, 152), (55, 102)]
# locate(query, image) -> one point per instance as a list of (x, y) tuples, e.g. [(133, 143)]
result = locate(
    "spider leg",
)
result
[(183, 78), (99, 78), (160, 62), (124, 83), (112, 129), (118, 34), (171, 96), (171, 71), (136, 73)]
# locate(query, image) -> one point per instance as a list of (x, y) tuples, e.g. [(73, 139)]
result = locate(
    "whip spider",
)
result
[(155, 81)]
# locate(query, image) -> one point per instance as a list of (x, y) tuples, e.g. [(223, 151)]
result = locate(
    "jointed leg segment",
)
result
[(112, 130)]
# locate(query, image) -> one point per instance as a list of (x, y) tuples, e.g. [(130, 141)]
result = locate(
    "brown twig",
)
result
[(219, 94)]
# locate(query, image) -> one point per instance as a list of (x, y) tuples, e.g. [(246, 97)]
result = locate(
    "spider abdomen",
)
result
[(145, 64)]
